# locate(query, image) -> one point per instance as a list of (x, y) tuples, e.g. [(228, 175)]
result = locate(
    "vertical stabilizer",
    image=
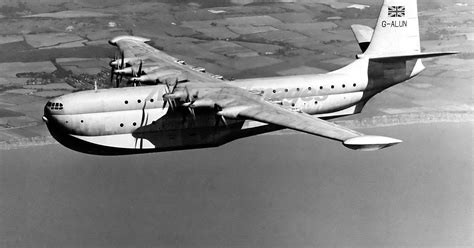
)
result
[(397, 31)]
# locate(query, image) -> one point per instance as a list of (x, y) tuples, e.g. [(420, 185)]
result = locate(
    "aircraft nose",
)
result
[(46, 113), (51, 108)]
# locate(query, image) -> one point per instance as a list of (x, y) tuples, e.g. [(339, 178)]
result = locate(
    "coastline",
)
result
[(363, 123)]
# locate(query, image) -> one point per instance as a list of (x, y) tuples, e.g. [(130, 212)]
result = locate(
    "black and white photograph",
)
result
[(236, 123)]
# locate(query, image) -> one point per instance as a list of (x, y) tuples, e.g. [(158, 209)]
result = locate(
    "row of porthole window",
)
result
[(309, 88), (139, 101), (315, 102), (122, 125)]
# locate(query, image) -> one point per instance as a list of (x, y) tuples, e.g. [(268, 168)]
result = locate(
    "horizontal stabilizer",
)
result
[(370, 143), (363, 35), (412, 56)]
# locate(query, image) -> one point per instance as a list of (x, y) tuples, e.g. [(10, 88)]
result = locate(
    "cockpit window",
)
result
[(54, 105)]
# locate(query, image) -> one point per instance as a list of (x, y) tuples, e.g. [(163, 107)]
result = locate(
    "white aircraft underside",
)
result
[(187, 107)]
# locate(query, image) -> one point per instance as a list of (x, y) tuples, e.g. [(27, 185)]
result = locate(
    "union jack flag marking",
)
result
[(396, 11)]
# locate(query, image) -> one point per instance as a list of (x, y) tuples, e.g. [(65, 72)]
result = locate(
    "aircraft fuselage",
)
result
[(136, 119)]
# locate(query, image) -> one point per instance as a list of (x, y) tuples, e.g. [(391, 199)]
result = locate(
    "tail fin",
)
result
[(397, 31)]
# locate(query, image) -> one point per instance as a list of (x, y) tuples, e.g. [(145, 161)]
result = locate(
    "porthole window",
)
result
[(82, 121), (274, 91), (332, 86), (121, 124), (139, 101), (343, 86), (320, 87), (292, 104), (151, 100), (297, 89), (286, 90), (309, 88), (126, 102), (134, 124), (354, 85), (315, 102)]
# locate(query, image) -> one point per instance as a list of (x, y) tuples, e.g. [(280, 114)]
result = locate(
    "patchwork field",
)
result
[(52, 49)]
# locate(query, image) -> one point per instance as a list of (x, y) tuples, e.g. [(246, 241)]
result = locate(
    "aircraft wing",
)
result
[(237, 104), (137, 50)]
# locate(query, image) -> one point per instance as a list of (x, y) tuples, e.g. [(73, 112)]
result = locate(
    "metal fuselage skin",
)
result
[(134, 119)]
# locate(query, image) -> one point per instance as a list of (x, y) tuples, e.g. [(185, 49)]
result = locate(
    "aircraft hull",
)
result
[(159, 141)]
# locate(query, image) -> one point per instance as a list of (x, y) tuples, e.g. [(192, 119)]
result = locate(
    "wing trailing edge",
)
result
[(411, 56), (264, 112)]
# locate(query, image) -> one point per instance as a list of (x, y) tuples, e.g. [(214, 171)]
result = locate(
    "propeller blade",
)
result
[(224, 120), (113, 59), (167, 91), (193, 114), (140, 69), (112, 71), (187, 94), (171, 104), (217, 109), (122, 64), (168, 102), (217, 121)]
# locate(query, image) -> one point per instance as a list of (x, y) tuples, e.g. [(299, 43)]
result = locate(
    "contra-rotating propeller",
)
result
[(117, 63), (183, 95), (191, 101), (169, 96), (137, 75), (219, 117)]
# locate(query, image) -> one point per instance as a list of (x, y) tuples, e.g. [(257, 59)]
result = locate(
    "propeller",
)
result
[(136, 75), (219, 118), (169, 91), (122, 65), (114, 65), (190, 101), (122, 59), (140, 69), (112, 68)]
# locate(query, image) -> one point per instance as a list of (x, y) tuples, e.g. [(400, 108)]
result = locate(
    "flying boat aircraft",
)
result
[(180, 106)]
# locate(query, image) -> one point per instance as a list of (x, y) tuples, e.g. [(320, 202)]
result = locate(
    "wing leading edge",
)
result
[(312, 125), (156, 62)]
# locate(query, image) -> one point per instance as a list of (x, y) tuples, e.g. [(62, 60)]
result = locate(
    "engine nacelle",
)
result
[(162, 77)]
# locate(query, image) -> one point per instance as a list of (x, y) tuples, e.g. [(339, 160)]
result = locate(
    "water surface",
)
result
[(267, 191)]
